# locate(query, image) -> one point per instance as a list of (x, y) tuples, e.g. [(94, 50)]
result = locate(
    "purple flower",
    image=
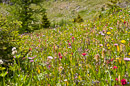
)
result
[(127, 59), (101, 33), (111, 27)]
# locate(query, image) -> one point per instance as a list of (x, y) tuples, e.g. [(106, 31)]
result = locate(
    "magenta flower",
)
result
[(116, 79), (115, 67), (69, 44), (59, 54), (123, 81), (72, 37)]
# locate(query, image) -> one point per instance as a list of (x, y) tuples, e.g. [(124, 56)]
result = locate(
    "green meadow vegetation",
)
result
[(42, 46)]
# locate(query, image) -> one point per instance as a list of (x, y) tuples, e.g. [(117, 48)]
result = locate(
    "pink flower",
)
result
[(127, 59), (30, 57), (72, 37), (83, 54), (100, 45), (60, 57), (49, 66), (69, 44), (31, 60), (123, 81), (115, 44)]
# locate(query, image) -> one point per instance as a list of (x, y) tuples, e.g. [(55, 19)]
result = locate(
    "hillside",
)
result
[(69, 9)]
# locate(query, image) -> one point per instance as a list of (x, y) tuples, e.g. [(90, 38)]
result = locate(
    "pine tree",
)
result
[(45, 21), (24, 13)]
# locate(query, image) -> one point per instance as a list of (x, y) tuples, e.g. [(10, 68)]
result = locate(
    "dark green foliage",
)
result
[(8, 37), (23, 11), (45, 21), (79, 19)]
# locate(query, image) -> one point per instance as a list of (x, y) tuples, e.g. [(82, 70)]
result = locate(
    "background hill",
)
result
[(59, 10)]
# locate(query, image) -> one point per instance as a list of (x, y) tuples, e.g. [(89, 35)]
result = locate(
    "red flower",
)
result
[(39, 40), (83, 54), (123, 81), (115, 67), (30, 49), (60, 57), (72, 37), (108, 61), (112, 59), (124, 22), (71, 53)]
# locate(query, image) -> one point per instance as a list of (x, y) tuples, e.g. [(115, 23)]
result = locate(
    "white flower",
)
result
[(1, 62), (65, 80), (14, 48), (50, 57), (14, 52)]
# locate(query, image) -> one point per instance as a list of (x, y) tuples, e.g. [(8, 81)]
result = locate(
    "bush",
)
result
[(9, 37), (79, 19)]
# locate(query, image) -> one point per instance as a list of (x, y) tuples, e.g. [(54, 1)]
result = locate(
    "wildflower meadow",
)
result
[(91, 53)]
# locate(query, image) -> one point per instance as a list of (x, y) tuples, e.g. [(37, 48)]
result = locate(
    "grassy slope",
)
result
[(70, 8)]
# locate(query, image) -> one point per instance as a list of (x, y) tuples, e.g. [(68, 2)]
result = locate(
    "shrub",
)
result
[(79, 19), (9, 37)]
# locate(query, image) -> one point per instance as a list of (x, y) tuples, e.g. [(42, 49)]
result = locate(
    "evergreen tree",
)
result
[(45, 21), (23, 12)]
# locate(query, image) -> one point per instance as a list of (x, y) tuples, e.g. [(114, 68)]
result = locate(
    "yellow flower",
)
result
[(38, 71), (117, 58), (80, 78), (129, 53), (108, 33), (123, 41)]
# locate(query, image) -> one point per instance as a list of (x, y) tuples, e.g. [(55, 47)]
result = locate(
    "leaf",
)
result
[(3, 74), (2, 68)]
